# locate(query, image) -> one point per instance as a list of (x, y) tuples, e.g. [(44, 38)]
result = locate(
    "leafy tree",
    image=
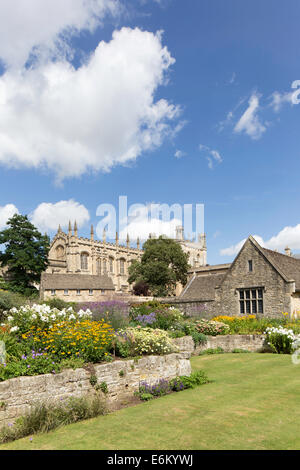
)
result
[(141, 288), (163, 264), (25, 255)]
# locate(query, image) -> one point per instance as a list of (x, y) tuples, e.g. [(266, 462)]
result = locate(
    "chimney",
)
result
[(288, 251)]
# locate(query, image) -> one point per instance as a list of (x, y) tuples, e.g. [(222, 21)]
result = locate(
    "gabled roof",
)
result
[(76, 281), (202, 287), (286, 266), (289, 265)]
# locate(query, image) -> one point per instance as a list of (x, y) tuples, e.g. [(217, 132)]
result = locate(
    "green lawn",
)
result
[(253, 403)]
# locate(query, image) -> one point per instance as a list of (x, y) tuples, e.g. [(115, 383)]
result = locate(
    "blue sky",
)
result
[(201, 113)]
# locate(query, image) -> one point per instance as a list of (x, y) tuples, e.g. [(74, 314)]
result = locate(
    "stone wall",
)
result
[(276, 292), (253, 343), (193, 308), (122, 378)]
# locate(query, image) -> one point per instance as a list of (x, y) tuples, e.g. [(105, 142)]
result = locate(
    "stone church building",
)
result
[(258, 281), (86, 269)]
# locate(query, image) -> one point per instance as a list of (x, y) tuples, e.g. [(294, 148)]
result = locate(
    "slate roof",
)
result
[(288, 265), (202, 287), (76, 281)]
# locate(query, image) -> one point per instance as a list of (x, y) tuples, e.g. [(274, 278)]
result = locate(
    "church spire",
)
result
[(117, 239), (70, 229), (138, 243), (92, 232), (128, 241), (75, 229)]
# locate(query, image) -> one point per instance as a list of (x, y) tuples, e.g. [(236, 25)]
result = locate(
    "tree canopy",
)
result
[(25, 253), (163, 264)]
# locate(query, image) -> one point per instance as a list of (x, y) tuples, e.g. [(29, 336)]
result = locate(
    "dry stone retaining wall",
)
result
[(122, 378), (253, 343)]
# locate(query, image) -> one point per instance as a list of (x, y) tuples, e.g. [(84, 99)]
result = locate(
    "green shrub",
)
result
[(60, 304), (9, 300), (211, 328), (44, 417), (280, 340), (146, 341), (195, 379), (218, 350), (238, 350)]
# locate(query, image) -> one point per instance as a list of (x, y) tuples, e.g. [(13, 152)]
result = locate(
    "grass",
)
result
[(252, 403)]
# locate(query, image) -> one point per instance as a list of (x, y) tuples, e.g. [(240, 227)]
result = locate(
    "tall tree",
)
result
[(25, 255), (163, 264)]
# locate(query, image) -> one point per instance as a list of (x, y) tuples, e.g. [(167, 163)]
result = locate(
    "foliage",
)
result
[(281, 340), (211, 328), (190, 329), (114, 312), (103, 387), (163, 264), (159, 316), (239, 351), (194, 380), (163, 387), (60, 304), (25, 255), (141, 288), (144, 341), (249, 324), (44, 417), (210, 351), (41, 316), (86, 339), (9, 300), (37, 362)]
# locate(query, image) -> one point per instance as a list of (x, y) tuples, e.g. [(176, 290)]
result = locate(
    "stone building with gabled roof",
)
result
[(259, 281), (76, 287)]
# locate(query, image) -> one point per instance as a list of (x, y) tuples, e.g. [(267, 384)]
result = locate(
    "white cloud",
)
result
[(6, 212), (249, 122), (232, 79), (288, 236), (100, 115), (279, 99), (234, 249), (48, 216), (44, 27), (180, 154), (212, 156)]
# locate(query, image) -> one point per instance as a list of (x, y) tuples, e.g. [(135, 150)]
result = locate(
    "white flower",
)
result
[(14, 328), (10, 318)]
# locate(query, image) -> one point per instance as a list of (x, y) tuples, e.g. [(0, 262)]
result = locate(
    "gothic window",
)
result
[(98, 266), (60, 252), (111, 265), (104, 266), (84, 261), (251, 301), (122, 266)]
